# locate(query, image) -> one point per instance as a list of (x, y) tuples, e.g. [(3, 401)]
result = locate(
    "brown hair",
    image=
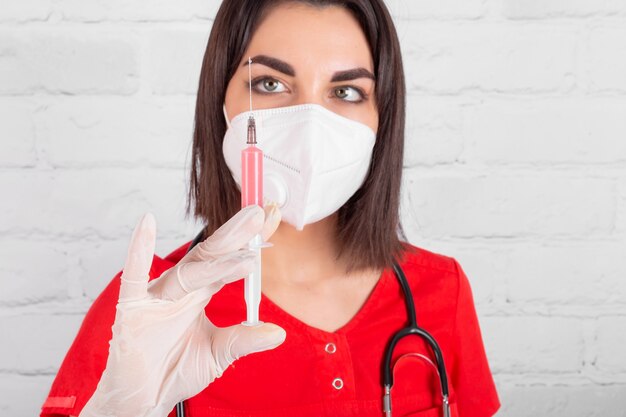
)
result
[(368, 223)]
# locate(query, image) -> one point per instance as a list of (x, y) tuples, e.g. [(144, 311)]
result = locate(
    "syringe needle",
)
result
[(250, 82)]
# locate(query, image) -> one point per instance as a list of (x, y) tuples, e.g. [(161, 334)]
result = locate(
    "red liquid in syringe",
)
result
[(251, 170)]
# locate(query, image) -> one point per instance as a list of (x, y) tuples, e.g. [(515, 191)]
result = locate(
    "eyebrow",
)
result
[(287, 69)]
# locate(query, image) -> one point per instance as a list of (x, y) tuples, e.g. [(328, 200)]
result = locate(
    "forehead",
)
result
[(311, 37)]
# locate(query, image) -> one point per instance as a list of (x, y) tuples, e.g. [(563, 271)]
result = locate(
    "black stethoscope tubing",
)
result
[(387, 371), (412, 329)]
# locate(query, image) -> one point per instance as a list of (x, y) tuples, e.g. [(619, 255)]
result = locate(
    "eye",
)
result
[(351, 94), (267, 85)]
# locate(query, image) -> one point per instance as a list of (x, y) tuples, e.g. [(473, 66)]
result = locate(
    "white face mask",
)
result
[(314, 159)]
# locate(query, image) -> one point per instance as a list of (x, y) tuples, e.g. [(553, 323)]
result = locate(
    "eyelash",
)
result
[(256, 81)]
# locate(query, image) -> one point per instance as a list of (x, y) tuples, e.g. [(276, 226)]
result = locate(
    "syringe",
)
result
[(252, 193)]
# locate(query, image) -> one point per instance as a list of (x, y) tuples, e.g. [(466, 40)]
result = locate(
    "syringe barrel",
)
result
[(252, 193), (251, 176)]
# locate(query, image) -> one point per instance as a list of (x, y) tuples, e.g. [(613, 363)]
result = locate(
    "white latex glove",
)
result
[(164, 349)]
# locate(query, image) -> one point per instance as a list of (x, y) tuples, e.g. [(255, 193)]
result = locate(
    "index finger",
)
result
[(135, 275)]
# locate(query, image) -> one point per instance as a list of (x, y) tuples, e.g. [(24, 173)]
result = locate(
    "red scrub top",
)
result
[(317, 373)]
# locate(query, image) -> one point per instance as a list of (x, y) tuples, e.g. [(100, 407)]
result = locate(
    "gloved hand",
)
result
[(164, 349)]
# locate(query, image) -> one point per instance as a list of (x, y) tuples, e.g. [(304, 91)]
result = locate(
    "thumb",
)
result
[(272, 220), (239, 340), (135, 276)]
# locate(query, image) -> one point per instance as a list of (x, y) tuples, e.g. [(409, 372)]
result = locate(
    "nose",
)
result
[(310, 92), (309, 99)]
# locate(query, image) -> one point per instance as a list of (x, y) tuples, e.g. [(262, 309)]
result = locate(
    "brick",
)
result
[(25, 281), (483, 268), (571, 401), (101, 260), (537, 9), (505, 206), (524, 344), (23, 395), (26, 10), (573, 274), (610, 342), (602, 57), (620, 226), (67, 62), (550, 131), (137, 10), (17, 133), (443, 9), (449, 57), (116, 131), (36, 343), (433, 131), (172, 69), (94, 204)]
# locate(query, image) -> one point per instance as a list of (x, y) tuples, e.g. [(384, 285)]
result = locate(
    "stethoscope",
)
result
[(387, 371)]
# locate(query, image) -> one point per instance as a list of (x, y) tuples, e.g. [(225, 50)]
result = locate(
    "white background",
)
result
[(515, 165)]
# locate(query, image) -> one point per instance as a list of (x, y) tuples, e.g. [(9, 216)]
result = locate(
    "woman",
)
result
[(330, 299)]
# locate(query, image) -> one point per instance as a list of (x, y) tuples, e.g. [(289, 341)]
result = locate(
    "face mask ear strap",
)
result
[(226, 115)]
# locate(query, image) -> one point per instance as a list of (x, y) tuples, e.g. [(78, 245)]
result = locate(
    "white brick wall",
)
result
[(515, 165)]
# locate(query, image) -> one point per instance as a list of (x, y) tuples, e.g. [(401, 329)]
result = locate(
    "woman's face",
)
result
[(304, 54)]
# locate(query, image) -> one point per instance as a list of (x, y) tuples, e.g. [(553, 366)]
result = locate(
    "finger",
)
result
[(234, 234), (195, 275), (272, 220), (178, 281), (135, 276), (231, 343)]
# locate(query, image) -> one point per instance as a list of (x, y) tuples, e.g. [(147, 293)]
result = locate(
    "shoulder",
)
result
[(437, 268), (434, 277), (418, 257)]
